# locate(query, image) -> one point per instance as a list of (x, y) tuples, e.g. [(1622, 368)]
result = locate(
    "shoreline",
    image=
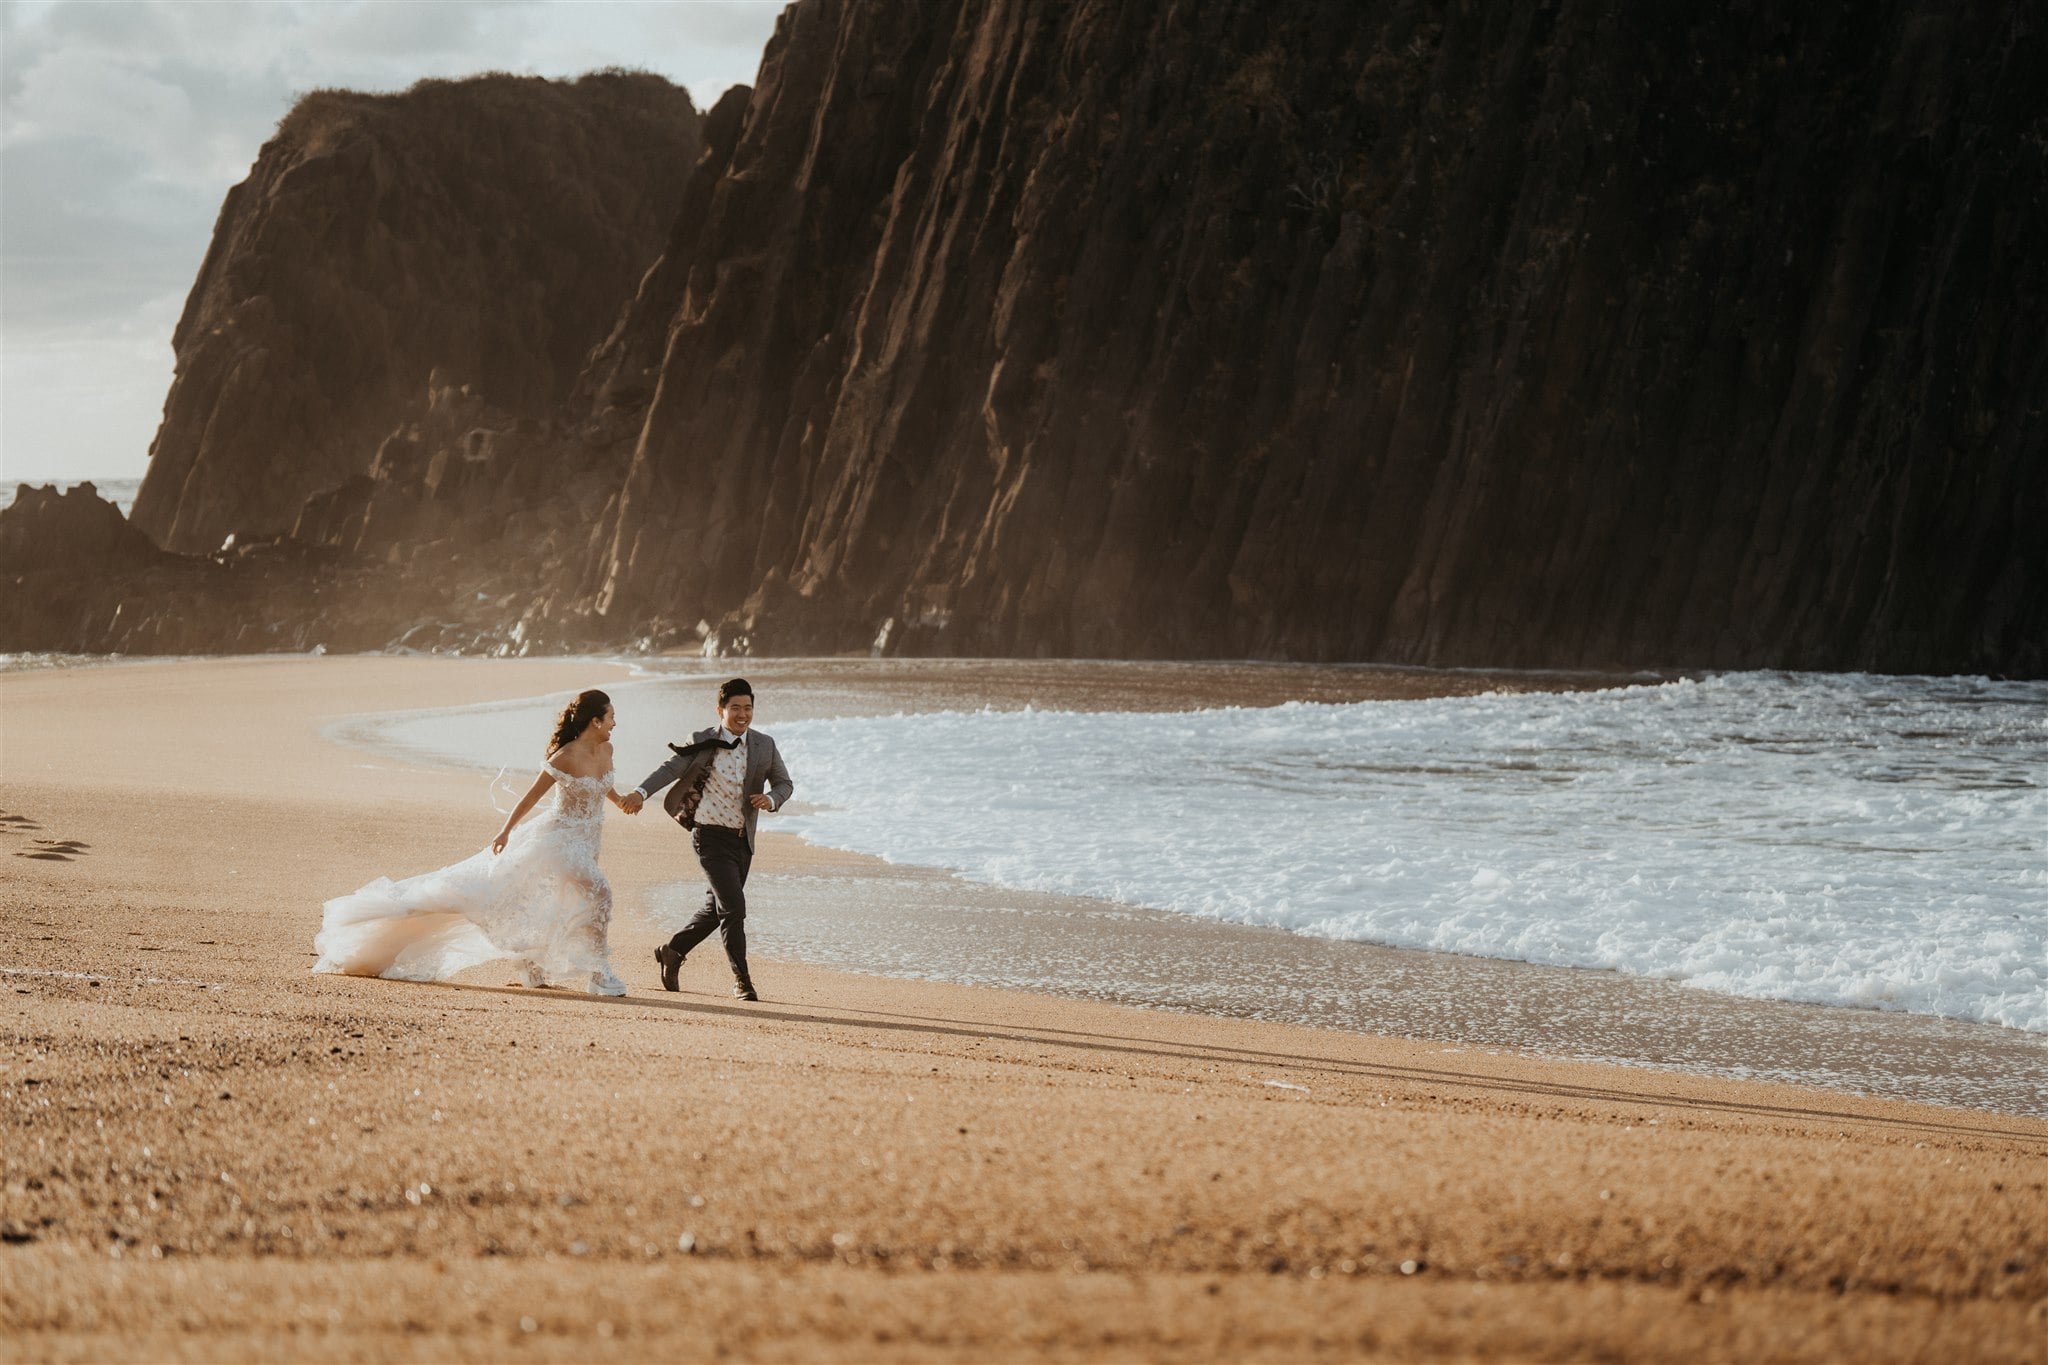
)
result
[(1159, 959), (211, 1153)]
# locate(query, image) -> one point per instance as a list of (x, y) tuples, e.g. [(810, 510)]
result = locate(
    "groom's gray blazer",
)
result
[(691, 765)]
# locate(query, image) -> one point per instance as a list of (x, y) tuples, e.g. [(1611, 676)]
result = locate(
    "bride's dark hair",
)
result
[(576, 717)]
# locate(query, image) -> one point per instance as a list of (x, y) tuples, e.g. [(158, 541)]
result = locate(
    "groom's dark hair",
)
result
[(736, 687)]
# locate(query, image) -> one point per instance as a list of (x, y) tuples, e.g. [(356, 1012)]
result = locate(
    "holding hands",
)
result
[(631, 802)]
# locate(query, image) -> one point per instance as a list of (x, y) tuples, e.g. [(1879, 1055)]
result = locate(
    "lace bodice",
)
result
[(579, 798)]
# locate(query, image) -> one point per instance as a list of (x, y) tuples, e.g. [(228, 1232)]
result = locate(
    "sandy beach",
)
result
[(211, 1154)]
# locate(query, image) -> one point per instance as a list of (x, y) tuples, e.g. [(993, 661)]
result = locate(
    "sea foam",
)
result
[(1840, 839)]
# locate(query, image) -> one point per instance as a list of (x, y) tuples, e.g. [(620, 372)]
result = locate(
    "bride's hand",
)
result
[(498, 844)]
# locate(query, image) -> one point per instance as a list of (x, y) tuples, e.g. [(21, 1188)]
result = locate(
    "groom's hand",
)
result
[(631, 802), (759, 801)]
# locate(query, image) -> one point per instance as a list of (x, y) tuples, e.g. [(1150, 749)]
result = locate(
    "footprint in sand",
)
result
[(42, 850)]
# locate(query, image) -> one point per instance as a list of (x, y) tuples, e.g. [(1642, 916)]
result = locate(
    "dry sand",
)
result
[(210, 1154)]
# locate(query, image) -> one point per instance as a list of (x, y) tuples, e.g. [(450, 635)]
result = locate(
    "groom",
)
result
[(718, 796)]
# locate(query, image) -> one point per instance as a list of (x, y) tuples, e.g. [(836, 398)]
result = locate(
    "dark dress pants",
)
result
[(725, 858)]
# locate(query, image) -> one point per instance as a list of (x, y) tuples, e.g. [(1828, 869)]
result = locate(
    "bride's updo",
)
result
[(577, 715)]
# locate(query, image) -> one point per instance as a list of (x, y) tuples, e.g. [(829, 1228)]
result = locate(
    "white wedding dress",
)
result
[(542, 903)]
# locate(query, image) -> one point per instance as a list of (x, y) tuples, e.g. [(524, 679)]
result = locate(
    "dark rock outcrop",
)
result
[(77, 528), (490, 229), (79, 578), (1536, 334), (76, 577)]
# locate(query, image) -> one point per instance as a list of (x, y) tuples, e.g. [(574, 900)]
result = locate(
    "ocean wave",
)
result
[(1838, 839)]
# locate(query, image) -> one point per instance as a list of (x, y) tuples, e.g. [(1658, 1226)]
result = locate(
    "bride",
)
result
[(535, 895)]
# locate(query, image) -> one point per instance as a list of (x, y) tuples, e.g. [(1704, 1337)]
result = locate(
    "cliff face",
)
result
[(1521, 335), (490, 229), (1528, 334)]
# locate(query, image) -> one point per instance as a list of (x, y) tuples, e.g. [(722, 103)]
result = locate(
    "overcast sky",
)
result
[(124, 122)]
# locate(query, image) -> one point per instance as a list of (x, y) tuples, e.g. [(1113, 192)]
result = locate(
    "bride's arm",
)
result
[(611, 794), (533, 794)]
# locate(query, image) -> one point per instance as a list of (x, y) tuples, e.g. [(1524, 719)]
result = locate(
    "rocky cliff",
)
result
[(489, 229), (1537, 334)]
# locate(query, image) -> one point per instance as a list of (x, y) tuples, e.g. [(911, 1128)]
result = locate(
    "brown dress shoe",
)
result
[(671, 967)]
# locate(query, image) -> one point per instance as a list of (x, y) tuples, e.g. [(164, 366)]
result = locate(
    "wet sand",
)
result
[(862, 915), (211, 1154)]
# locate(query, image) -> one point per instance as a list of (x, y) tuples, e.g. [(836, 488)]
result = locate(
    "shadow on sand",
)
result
[(1167, 1049)]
